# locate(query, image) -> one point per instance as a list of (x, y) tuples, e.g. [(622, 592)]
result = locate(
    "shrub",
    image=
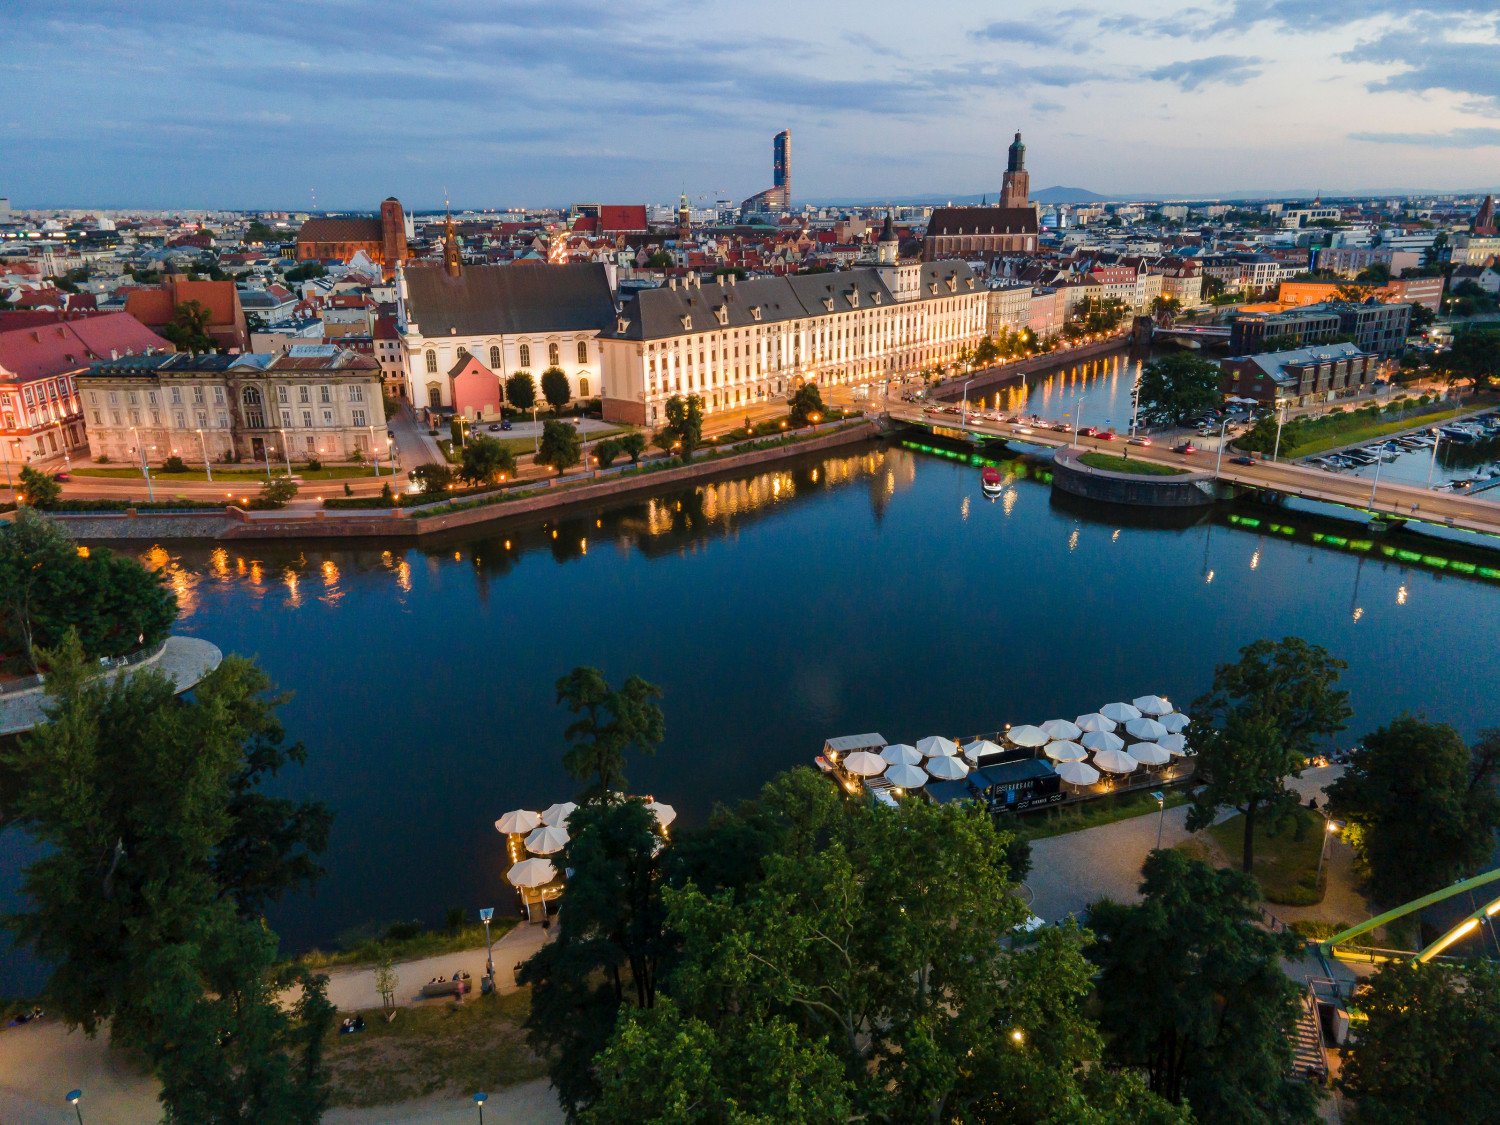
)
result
[(608, 451), (174, 464), (40, 489), (275, 493), (434, 479), (403, 931), (102, 459), (633, 445)]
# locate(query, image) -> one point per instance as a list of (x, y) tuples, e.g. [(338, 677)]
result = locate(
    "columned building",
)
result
[(970, 232)]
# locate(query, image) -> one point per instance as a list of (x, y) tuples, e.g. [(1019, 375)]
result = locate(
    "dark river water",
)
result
[(875, 589)]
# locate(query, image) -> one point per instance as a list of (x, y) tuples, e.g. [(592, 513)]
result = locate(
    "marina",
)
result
[(1458, 457)]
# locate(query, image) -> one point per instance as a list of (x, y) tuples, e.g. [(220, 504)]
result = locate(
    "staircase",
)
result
[(1306, 1035)]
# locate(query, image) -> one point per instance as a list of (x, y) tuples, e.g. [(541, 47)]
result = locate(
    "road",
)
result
[(1406, 501)]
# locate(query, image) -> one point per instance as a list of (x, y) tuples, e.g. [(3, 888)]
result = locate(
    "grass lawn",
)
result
[(1286, 854), (227, 473), (433, 1048), (1113, 464), (429, 943), (1090, 814), (1328, 435)]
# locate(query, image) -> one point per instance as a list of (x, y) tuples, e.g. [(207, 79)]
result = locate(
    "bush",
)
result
[(403, 931), (40, 489), (633, 445), (275, 493), (608, 451), (174, 464), (434, 479), (313, 465), (102, 459)]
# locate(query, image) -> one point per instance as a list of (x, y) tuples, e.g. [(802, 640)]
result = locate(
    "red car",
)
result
[(1186, 448), (1106, 435)]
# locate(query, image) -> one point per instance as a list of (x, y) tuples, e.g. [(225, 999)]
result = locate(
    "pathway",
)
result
[(414, 445)]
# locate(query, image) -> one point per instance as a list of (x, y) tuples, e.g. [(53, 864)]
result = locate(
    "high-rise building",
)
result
[(776, 199)]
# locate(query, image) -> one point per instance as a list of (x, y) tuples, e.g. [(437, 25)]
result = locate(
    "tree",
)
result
[(683, 430), (1191, 990), (986, 351), (258, 231), (1257, 726), (555, 388), (660, 260), (561, 447), (609, 723), (40, 489), (1165, 308), (633, 444), (188, 328), (1475, 355), (1178, 387), (433, 478), (1427, 1051), (805, 404), (1376, 273), (484, 460), (276, 493), (387, 980), (520, 390), (608, 452), (1421, 807), (1094, 315)]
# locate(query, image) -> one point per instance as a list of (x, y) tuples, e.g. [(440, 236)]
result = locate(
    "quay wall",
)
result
[(1070, 475), (952, 390)]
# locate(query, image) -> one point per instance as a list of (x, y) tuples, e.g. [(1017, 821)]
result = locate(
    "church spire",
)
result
[(1015, 189), (1017, 159), (453, 260)]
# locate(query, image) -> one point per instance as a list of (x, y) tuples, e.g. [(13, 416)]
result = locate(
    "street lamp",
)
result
[(1329, 828), (1280, 421), (1077, 415), (1379, 461), (535, 432), (203, 445), (1161, 804), (965, 416), (479, 1100), (485, 914), (265, 451), (1437, 440), (1223, 432), (146, 469), (73, 1097), (286, 449)]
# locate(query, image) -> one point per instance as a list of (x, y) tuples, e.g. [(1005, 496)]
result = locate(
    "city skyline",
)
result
[(253, 106)]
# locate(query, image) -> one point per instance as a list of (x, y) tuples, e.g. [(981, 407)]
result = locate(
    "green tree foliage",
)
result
[(1192, 991), (683, 430), (608, 451), (555, 388), (188, 328), (986, 351), (1165, 309), (1094, 315), (485, 460), (258, 231), (306, 271), (40, 489), (633, 444), (1257, 726), (1475, 356), (114, 604), (608, 724), (561, 447), (1178, 387), (660, 260), (433, 478), (520, 390), (158, 852), (1429, 1048), (277, 492), (805, 403), (1421, 806)]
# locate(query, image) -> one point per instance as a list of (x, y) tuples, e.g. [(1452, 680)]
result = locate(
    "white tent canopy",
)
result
[(907, 777), (546, 840), (899, 753), (1102, 740), (1176, 744), (531, 873), (1064, 751), (1149, 754), (558, 814), (1115, 761), (947, 769), (935, 745), (1094, 721), (979, 748), (1061, 729), (1145, 728), (518, 822), (1025, 735), (665, 814), (1175, 722), (1151, 705), (1119, 712), (862, 763), (1077, 773)]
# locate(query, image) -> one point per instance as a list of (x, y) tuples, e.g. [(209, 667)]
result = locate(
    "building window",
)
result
[(328, 417), (218, 396), (286, 418), (202, 419), (494, 356), (325, 394), (302, 395), (583, 351), (307, 419), (553, 355), (281, 395), (356, 394), (431, 361), (463, 352), (359, 417), (583, 387), (176, 396), (525, 356)]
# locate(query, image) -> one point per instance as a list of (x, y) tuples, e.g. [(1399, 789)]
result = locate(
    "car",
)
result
[(1138, 441), (1186, 448), (1106, 435), (505, 425), (494, 427), (1088, 431), (1060, 427), (1242, 460)]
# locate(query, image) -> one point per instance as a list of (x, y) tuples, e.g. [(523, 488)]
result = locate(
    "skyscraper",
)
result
[(781, 166)]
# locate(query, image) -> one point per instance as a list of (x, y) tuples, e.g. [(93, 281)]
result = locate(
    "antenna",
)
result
[(314, 198)]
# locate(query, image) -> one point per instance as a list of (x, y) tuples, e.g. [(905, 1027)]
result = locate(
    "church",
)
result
[(983, 232), (382, 239)]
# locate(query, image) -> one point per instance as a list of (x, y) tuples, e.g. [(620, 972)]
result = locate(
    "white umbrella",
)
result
[(979, 748), (1149, 754), (935, 746), (1115, 761), (518, 822), (1175, 744), (1094, 721), (907, 777), (1119, 712), (546, 840), (1064, 751), (1061, 728), (1151, 705), (1145, 728), (862, 763), (1102, 740), (531, 873), (1077, 773), (1176, 722), (558, 814), (1028, 736), (901, 754), (665, 814), (947, 769)]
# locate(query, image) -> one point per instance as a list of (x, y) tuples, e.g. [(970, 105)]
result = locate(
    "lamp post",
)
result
[(1223, 433), (965, 415), (145, 468), (1135, 401), (265, 451), (1437, 440), (203, 445), (535, 432), (1077, 416), (485, 914), (286, 450), (73, 1097), (1379, 461), (1329, 828), (1161, 818), (1280, 421), (390, 455), (479, 1100)]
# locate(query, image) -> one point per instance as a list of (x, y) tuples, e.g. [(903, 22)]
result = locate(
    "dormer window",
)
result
[(722, 314), (932, 287), (952, 284), (854, 298), (827, 304), (875, 297), (755, 312), (687, 322), (623, 325)]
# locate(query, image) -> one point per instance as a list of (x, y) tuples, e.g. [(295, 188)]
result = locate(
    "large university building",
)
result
[(313, 400), (740, 343), (983, 232)]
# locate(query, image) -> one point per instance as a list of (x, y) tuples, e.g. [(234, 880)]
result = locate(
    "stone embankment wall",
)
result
[(1070, 475)]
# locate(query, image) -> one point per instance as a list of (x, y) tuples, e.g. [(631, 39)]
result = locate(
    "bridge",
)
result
[(1384, 500), (1194, 335)]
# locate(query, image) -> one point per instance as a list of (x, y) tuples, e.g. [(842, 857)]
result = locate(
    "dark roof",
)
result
[(340, 230), (983, 220), (299, 357), (518, 297)]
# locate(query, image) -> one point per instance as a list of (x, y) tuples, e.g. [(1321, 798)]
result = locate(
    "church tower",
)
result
[(1484, 221), (684, 219), (888, 249), (453, 260), (1015, 189), (392, 235)]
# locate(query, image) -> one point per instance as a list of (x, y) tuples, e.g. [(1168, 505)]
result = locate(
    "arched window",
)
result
[(553, 356), (463, 352), (494, 356), (583, 386), (525, 355), (583, 351), (431, 362)]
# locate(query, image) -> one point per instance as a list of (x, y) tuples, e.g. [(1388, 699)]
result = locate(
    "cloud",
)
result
[(1186, 23), (1191, 74), (1433, 63), (1478, 136), (1018, 31), (1304, 14)]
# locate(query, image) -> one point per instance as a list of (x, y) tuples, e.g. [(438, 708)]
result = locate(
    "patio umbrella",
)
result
[(948, 769), (862, 763), (1115, 761), (901, 754), (1077, 773), (1061, 728), (1119, 712), (979, 748), (907, 777), (546, 840), (517, 822), (1175, 744), (1064, 751), (665, 814), (935, 745), (1145, 728), (558, 814), (531, 873), (1151, 705), (1176, 722), (1094, 721), (1149, 754), (1102, 740), (1028, 736)]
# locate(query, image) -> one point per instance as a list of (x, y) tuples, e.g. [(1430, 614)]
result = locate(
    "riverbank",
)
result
[(951, 390)]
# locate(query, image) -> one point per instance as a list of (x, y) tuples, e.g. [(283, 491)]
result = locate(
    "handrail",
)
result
[(1328, 948)]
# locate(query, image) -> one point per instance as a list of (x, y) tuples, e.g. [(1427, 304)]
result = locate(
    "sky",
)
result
[(492, 103)]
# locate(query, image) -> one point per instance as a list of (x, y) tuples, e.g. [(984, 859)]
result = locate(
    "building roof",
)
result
[(341, 230), (519, 297), (154, 306), (1274, 363), (298, 357), (70, 345), (982, 220)]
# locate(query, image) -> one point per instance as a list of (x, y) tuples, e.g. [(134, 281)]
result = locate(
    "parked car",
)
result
[(1106, 435), (505, 424), (1242, 460), (1060, 427), (1088, 431), (494, 427), (1186, 447)]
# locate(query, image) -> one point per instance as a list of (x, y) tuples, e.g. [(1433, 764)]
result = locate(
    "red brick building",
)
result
[(382, 239), (155, 307)]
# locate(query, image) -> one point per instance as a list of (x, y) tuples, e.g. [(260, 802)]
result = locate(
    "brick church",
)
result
[(382, 239), (971, 232)]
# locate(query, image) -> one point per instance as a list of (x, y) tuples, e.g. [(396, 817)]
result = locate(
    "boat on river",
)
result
[(991, 482)]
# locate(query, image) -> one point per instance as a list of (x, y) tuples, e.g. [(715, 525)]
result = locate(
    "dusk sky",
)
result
[(232, 103)]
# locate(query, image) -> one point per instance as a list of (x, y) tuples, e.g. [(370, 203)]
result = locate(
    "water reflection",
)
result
[(1102, 389)]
